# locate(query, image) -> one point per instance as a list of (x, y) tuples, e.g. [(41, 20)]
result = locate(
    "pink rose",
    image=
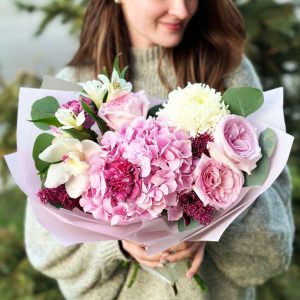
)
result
[(124, 109), (216, 184), (236, 138)]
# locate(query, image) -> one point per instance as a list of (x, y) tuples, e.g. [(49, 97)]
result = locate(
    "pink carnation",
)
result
[(115, 183)]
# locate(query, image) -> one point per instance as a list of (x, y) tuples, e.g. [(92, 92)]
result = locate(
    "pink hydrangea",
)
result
[(143, 170)]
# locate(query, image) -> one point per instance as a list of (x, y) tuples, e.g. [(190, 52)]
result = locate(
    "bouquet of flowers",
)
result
[(110, 167)]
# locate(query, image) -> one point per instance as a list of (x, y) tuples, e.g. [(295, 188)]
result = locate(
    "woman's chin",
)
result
[(169, 42)]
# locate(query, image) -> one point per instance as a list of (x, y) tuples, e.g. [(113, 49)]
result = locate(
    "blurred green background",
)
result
[(273, 45)]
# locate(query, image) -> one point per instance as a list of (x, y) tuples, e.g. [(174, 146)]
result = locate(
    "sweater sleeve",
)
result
[(258, 245), (78, 268)]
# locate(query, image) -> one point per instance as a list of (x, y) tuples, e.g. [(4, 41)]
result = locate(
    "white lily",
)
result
[(94, 90), (69, 119), (115, 86), (68, 158)]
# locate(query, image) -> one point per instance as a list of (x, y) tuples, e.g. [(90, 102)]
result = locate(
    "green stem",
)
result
[(201, 283), (174, 286), (134, 274)]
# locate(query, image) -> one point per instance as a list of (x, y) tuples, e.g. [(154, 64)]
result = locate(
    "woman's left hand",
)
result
[(192, 250)]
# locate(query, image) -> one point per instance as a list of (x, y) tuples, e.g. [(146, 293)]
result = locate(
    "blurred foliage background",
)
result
[(273, 45)]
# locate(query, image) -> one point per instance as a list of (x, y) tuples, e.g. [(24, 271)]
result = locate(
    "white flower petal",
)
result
[(77, 185), (115, 76), (75, 163), (90, 148), (105, 81), (57, 175), (66, 116), (95, 91), (60, 147), (80, 119)]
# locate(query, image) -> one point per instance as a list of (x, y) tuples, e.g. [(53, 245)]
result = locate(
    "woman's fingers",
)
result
[(196, 262), (194, 250), (180, 247), (180, 255), (139, 253), (150, 264)]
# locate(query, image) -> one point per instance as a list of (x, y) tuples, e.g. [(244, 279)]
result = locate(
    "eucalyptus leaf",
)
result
[(42, 109), (183, 227), (243, 101), (153, 110), (260, 173), (51, 121), (267, 141), (42, 142)]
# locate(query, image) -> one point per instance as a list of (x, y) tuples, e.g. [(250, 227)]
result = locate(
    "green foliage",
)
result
[(273, 45), (9, 93), (153, 110), (267, 143), (43, 112), (259, 174), (101, 124), (82, 135), (243, 101), (42, 142), (183, 227), (70, 11), (18, 280)]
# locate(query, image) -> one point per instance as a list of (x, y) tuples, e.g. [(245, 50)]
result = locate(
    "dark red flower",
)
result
[(194, 208), (58, 197), (199, 144)]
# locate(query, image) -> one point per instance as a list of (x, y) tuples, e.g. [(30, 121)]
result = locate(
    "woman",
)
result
[(167, 43)]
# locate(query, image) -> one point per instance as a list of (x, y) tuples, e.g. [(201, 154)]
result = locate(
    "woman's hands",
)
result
[(184, 250), (192, 250)]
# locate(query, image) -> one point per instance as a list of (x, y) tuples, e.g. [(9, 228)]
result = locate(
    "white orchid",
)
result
[(94, 90), (69, 119), (59, 133), (68, 158), (116, 86)]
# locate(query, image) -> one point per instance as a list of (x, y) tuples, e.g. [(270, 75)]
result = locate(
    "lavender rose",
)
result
[(236, 138), (124, 109), (216, 184)]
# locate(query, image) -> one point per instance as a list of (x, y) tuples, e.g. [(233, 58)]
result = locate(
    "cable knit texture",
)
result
[(257, 246)]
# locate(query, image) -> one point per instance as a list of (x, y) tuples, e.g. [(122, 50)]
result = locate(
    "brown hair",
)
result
[(212, 45)]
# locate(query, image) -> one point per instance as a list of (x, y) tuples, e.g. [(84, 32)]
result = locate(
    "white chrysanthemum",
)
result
[(196, 109)]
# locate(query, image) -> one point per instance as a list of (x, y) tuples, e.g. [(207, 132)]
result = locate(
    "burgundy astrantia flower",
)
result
[(194, 208), (199, 144), (58, 196)]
